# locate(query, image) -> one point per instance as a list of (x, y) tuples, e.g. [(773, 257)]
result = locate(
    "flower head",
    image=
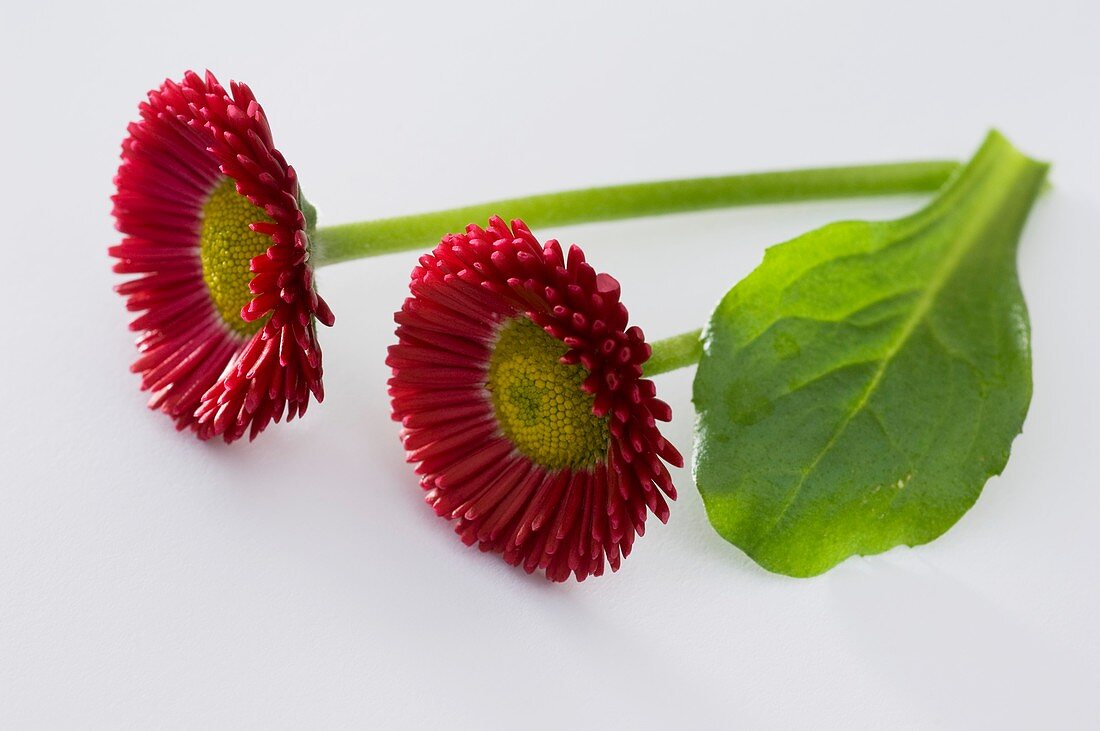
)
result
[(519, 388), (213, 221)]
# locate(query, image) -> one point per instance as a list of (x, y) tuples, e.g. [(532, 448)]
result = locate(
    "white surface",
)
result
[(147, 580)]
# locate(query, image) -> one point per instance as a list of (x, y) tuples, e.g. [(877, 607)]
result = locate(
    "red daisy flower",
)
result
[(520, 391), (214, 221)]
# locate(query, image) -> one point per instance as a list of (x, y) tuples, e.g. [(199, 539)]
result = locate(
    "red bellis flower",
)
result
[(519, 388), (214, 224)]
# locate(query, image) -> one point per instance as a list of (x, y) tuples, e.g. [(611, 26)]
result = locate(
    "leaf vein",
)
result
[(923, 306)]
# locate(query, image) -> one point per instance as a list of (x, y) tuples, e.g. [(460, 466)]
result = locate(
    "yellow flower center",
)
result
[(538, 401), (226, 245)]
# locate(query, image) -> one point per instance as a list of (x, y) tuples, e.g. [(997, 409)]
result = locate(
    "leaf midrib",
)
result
[(923, 306)]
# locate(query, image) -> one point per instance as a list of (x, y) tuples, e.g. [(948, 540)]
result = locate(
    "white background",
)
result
[(148, 580)]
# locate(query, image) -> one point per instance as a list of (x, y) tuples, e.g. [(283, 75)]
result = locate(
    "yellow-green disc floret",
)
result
[(538, 400), (226, 245)]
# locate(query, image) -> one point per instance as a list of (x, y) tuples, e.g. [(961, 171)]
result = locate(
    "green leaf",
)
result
[(861, 385)]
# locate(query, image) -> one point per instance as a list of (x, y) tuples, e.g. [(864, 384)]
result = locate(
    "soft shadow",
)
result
[(966, 661)]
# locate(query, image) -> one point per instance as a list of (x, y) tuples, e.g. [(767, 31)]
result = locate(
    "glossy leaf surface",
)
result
[(858, 389)]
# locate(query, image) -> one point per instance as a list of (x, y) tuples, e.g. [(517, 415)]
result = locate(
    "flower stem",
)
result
[(349, 241), (679, 351)]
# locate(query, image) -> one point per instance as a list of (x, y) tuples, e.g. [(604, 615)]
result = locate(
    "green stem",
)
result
[(422, 231), (679, 351)]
